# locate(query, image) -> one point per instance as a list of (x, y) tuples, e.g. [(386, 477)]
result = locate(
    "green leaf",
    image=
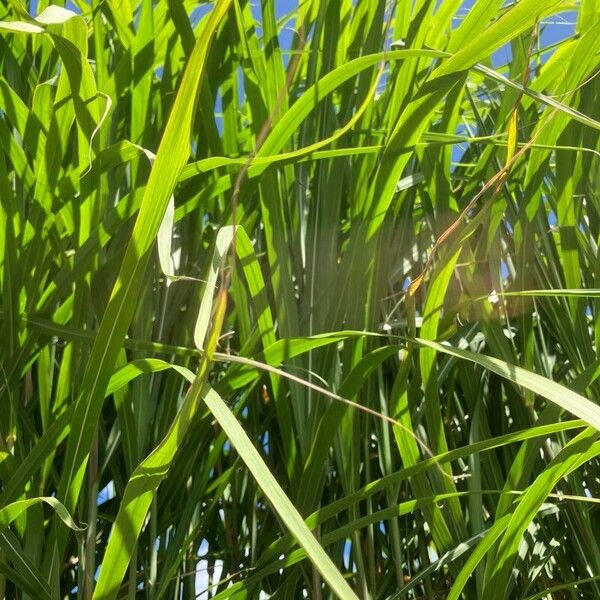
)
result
[(560, 395), (276, 496), (12, 511), (172, 154)]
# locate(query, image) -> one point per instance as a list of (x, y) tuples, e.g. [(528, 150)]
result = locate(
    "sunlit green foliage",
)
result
[(366, 233)]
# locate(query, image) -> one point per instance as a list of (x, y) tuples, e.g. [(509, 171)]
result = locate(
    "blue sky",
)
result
[(554, 28)]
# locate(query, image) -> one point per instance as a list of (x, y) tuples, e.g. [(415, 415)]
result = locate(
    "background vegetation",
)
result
[(394, 204)]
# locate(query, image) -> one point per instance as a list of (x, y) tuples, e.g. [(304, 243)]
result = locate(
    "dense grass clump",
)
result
[(299, 299)]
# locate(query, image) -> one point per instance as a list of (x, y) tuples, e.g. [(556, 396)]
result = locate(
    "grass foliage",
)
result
[(299, 304)]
